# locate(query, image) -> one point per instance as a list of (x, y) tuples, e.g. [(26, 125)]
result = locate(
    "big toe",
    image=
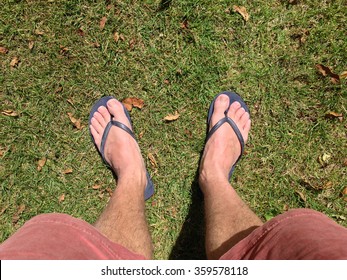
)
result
[(221, 105), (116, 109)]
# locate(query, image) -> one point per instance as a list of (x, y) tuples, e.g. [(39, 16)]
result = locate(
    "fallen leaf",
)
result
[(121, 36), (10, 113), (184, 24), (324, 159), (80, 32), (14, 62), (285, 207), (70, 101), (96, 187), (31, 45), (41, 164), (63, 50), (141, 134), (325, 71), (102, 23), (3, 50), (166, 81), (293, 2), (16, 216), (109, 191), (334, 115), (302, 196), (3, 210), (152, 159), (188, 133), (58, 89), (132, 43), (343, 75), (109, 7), (75, 122), (131, 102), (242, 11), (38, 32), (345, 162), (67, 171), (172, 117), (344, 191), (116, 37), (95, 45), (61, 198)]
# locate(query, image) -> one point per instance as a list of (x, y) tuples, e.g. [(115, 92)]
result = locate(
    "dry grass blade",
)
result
[(172, 117)]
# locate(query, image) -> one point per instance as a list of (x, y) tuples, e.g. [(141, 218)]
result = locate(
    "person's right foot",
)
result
[(223, 148)]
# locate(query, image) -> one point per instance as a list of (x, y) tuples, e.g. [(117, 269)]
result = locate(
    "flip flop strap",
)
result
[(107, 130), (233, 126)]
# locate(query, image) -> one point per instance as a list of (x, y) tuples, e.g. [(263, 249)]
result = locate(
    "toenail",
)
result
[(223, 98)]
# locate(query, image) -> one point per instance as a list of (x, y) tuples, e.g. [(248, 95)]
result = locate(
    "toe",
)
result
[(220, 106), (100, 118), (96, 125), (105, 114), (117, 111)]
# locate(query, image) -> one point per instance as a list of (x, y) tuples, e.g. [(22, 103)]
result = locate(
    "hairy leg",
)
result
[(228, 218), (123, 220)]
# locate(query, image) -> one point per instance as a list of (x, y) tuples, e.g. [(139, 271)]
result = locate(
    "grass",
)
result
[(270, 60)]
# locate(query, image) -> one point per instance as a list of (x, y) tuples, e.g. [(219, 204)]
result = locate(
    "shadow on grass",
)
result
[(190, 244), (164, 5)]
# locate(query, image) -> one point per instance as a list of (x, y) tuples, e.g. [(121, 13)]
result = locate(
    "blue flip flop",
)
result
[(233, 97), (149, 191)]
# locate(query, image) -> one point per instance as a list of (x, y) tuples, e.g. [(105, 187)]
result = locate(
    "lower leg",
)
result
[(228, 218), (123, 220)]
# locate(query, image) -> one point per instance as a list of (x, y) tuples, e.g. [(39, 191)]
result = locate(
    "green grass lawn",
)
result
[(175, 55)]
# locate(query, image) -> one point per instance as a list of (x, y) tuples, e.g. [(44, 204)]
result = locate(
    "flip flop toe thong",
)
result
[(149, 191)]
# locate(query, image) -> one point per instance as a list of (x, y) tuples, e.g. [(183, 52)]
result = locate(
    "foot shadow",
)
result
[(190, 244)]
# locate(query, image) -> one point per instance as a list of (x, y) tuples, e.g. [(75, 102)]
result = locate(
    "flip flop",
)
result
[(103, 102), (233, 97)]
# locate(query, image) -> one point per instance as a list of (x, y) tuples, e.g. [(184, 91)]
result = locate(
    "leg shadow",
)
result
[(190, 244)]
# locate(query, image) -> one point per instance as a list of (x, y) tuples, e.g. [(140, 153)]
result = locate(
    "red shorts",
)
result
[(297, 234)]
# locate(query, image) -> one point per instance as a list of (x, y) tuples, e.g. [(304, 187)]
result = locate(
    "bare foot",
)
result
[(121, 150), (223, 148)]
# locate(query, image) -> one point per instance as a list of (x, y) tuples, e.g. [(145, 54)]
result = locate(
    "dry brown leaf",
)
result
[(95, 45), (96, 187), (285, 207), (344, 191), (188, 133), (132, 43), (116, 37), (10, 113), (345, 162), (61, 198), (141, 134), (67, 171), (343, 75), (58, 89), (80, 32), (302, 196), (15, 61), (109, 191), (102, 23), (31, 45), (166, 81), (109, 7), (184, 24), (38, 32), (16, 216), (172, 117), (75, 122), (325, 71), (152, 159), (131, 102), (70, 101), (3, 50), (41, 163), (121, 36), (334, 115), (242, 11), (63, 50)]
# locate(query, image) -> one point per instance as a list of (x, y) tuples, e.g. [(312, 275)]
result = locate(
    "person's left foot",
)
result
[(121, 149)]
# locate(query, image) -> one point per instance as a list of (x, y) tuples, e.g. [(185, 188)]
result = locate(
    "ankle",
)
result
[(211, 180)]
